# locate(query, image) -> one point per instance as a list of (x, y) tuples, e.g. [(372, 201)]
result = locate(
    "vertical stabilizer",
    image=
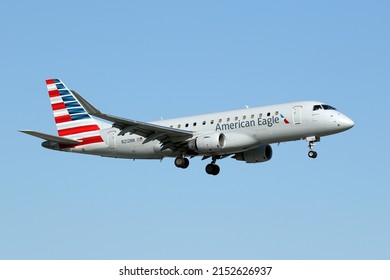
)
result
[(71, 118)]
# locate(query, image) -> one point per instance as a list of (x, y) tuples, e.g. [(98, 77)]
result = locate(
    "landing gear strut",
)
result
[(212, 168), (182, 162)]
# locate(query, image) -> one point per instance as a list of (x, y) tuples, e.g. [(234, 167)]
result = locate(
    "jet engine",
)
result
[(208, 142), (259, 154)]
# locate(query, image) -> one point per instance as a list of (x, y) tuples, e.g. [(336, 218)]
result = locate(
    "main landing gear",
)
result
[(212, 168), (312, 141), (182, 162)]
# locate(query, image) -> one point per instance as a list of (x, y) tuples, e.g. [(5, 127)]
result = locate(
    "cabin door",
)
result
[(297, 114), (111, 139)]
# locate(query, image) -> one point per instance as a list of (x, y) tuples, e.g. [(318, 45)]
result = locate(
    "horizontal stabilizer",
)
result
[(53, 138)]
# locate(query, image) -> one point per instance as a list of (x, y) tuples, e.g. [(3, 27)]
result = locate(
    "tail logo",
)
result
[(71, 119)]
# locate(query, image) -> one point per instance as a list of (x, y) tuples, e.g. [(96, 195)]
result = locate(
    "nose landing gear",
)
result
[(312, 141)]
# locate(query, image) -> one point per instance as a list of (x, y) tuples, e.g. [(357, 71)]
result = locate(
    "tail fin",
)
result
[(71, 119)]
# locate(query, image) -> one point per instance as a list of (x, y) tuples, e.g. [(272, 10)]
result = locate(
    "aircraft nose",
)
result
[(346, 122)]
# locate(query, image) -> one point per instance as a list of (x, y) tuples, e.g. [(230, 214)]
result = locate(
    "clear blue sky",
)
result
[(147, 59)]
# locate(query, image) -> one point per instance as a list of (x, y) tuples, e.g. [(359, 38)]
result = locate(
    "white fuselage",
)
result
[(244, 129)]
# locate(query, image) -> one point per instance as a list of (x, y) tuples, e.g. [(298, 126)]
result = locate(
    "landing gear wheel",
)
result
[(216, 170), (212, 169), (186, 163), (209, 169), (179, 161), (312, 154), (182, 162)]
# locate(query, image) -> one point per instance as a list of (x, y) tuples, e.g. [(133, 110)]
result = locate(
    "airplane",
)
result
[(245, 134)]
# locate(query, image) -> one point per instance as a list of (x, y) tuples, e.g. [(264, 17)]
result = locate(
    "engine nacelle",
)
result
[(208, 142), (259, 154)]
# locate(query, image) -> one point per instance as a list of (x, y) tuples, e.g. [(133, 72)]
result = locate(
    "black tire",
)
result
[(312, 154), (210, 169), (186, 163), (179, 162), (216, 170)]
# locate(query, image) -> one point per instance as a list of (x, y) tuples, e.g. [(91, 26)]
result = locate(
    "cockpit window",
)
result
[(328, 107), (317, 107)]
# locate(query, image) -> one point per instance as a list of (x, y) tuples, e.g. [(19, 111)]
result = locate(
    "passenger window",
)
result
[(194, 123), (186, 124), (268, 114), (171, 126), (228, 120), (179, 125), (220, 120), (252, 116), (276, 113), (204, 123), (236, 118), (260, 115), (212, 121), (244, 117)]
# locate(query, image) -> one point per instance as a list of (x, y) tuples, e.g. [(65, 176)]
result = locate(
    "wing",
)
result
[(170, 138)]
